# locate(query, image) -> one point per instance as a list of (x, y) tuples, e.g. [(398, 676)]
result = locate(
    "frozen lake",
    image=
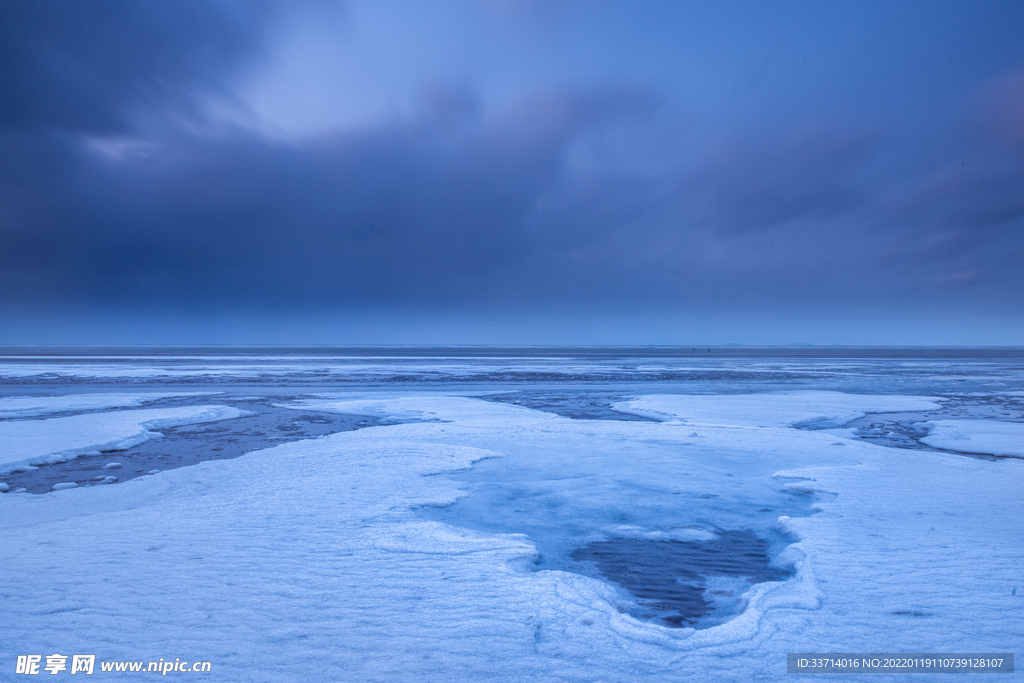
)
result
[(551, 514)]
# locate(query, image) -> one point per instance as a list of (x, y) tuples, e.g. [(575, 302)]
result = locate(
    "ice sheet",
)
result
[(987, 437), (309, 561), (29, 406), (33, 442), (910, 371), (825, 408)]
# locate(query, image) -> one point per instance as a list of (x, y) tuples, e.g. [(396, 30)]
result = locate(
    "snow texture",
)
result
[(28, 406), (986, 437), (24, 443), (308, 561), (820, 408)]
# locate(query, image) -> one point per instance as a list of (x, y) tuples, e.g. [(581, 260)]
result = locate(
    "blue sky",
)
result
[(512, 172)]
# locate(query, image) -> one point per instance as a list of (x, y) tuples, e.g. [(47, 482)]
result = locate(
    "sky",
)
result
[(511, 172)]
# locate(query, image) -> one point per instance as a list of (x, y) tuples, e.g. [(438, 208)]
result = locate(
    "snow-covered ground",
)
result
[(314, 560), (29, 406), (24, 443), (782, 410), (987, 437)]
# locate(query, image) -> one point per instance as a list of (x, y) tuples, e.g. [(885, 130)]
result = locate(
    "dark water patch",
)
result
[(267, 426), (575, 405), (906, 429), (614, 536), (894, 430), (685, 583)]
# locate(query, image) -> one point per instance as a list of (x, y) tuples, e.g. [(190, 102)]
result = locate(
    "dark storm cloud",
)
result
[(119, 187), (823, 212), (86, 65), (407, 210), (805, 174), (455, 207)]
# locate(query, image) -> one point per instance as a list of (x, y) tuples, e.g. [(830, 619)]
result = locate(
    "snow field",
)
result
[(28, 406), (309, 561), (986, 437), (822, 408), (24, 443)]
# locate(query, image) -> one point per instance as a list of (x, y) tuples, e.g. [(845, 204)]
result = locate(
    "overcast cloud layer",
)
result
[(511, 172)]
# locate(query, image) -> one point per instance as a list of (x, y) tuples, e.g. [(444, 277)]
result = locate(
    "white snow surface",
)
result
[(986, 437), (308, 561), (24, 443), (29, 406), (824, 408)]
